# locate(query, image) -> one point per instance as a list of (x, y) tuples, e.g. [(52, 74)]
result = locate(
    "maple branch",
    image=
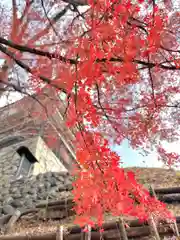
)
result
[(154, 5), (103, 109), (137, 25), (49, 55), (14, 17), (147, 64), (49, 20), (28, 69), (68, 103), (99, 101), (152, 84), (8, 84), (20, 90), (46, 29), (78, 15), (137, 20), (79, 124), (76, 2), (26, 9), (177, 105), (60, 14)]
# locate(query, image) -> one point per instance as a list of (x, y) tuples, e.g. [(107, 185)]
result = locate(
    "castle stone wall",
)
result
[(49, 179), (26, 193)]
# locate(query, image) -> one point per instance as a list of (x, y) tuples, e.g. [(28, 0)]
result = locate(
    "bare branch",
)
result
[(36, 51), (28, 69), (76, 2), (152, 85), (49, 20)]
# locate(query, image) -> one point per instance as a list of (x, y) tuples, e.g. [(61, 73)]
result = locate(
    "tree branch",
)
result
[(20, 90), (28, 69), (36, 51), (152, 85), (77, 2), (49, 20), (49, 55)]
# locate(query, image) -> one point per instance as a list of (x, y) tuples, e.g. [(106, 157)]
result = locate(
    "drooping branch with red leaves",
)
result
[(120, 92), (104, 187), (118, 64)]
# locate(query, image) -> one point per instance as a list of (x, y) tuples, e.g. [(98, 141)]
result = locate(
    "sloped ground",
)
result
[(158, 177), (148, 176)]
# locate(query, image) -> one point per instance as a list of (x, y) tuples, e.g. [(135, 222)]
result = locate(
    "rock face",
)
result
[(28, 192)]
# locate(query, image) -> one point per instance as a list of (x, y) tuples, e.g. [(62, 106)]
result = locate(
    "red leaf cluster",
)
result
[(103, 187)]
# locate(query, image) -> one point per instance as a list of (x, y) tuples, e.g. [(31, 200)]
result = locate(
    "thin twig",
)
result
[(28, 69), (49, 20)]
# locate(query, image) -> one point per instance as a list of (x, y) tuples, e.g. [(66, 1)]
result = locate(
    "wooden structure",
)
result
[(115, 229)]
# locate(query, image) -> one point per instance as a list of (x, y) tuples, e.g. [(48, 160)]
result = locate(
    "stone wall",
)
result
[(28, 192), (49, 179), (47, 160), (10, 159)]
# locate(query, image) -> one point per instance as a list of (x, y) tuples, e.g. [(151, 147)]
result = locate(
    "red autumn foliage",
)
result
[(119, 69), (109, 65), (103, 187)]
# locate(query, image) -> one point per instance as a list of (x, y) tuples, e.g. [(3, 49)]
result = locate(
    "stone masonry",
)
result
[(28, 192), (46, 159), (49, 179), (48, 176)]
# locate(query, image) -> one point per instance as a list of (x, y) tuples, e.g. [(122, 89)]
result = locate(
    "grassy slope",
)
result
[(157, 177)]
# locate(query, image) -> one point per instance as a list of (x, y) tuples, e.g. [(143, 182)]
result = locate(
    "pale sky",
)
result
[(132, 158)]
